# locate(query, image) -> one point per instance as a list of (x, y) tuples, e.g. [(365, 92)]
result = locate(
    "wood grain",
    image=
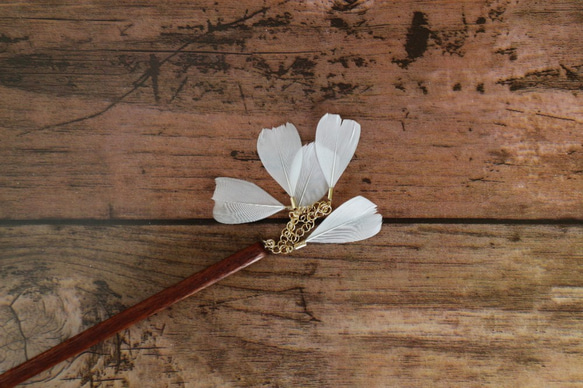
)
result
[(418, 305), (115, 118), (129, 110), (106, 329)]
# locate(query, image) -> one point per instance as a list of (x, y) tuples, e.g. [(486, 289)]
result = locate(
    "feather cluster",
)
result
[(306, 173)]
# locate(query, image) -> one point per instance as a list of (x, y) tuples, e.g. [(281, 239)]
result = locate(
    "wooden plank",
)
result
[(129, 110), (418, 305)]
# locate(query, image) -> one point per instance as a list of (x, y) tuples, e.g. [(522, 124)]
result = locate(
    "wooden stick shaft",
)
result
[(142, 310)]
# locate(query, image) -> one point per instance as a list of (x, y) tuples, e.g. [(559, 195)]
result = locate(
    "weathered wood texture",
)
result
[(421, 305), (128, 110), (106, 329)]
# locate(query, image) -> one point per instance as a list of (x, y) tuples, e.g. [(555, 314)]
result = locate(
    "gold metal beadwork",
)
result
[(302, 220)]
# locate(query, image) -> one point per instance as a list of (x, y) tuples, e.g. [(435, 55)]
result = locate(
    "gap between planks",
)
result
[(210, 221)]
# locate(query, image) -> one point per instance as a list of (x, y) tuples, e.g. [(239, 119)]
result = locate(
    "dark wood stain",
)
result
[(564, 78), (417, 39)]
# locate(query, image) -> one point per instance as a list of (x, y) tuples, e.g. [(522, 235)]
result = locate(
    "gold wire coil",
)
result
[(301, 221)]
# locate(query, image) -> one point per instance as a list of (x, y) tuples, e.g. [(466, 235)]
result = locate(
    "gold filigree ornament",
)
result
[(306, 173), (301, 221)]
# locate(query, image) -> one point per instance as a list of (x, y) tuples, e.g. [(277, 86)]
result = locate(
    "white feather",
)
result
[(336, 141), (355, 220), (277, 148), (311, 185), (238, 201)]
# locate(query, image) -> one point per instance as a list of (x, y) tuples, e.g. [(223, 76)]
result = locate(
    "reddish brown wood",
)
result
[(136, 313)]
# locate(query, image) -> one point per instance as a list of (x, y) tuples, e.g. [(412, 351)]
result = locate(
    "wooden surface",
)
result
[(117, 323), (115, 118), (419, 305)]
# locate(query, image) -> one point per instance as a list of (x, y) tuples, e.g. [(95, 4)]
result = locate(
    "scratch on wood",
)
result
[(153, 70), (122, 31), (242, 97), (541, 114), (179, 89), (555, 117)]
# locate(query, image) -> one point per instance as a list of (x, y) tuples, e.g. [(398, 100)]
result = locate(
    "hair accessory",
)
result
[(306, 174)]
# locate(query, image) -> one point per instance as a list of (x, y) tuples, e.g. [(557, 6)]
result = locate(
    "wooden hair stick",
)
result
[(134, 314)]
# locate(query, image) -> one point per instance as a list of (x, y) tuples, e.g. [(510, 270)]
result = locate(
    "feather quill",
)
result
[(355, 220), (336, 141), (238, 201), (311, 184), (277, 148)]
